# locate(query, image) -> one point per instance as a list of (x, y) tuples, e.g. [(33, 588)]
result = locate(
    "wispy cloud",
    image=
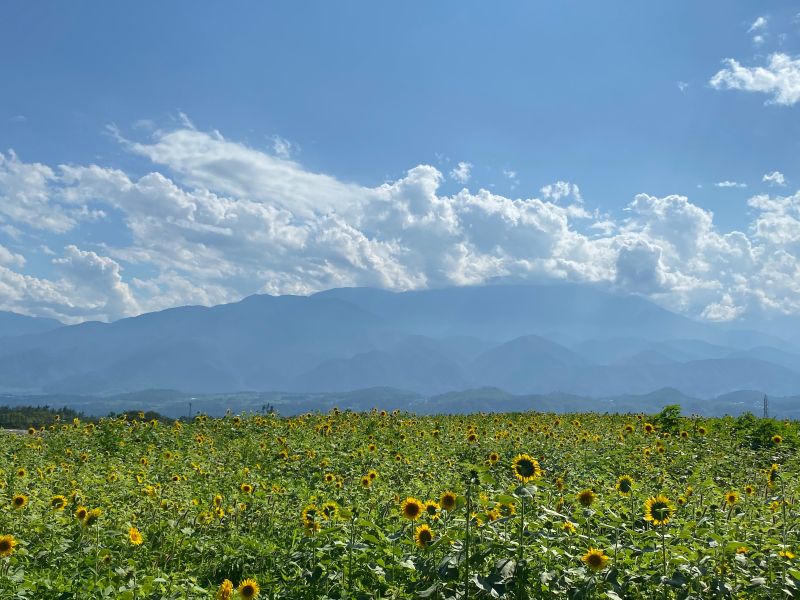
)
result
[(462, 172), (779, 78), (730, 184)]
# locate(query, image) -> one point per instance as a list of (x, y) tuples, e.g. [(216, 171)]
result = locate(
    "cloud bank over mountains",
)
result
[(217, 220)]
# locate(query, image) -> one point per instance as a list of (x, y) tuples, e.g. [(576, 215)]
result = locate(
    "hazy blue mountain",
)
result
[(13, 324), (526, 339)]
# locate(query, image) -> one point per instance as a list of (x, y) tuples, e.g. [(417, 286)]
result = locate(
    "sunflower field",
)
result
[(394, 505)]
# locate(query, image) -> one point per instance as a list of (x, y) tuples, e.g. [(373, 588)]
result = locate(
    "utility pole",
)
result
[(766, 407)]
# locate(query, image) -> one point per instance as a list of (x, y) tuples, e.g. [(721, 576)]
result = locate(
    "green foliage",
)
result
[(218, 499), (669, 419)]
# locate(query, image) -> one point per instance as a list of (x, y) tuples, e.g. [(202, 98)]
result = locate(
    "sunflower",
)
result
[(629, 428), (493, 457), (7, 544), (19, 501), (749, 490), (684, 435), (586, 497), (372, 474), (776, 439), (423, 536), (731, 498), (472, 437), (225, 591), (411, 508), (330, 510), (624, 484), (92, 516), (525, 468), (658, 510), (432, 509), (595, 559), (702, 430), (58, 502), (448, 501), (786, 554), (309, 515), (135, 536), (81, 513), (569, 527), (648, 428), (21, 472), (330, 478), (366, 481), (772, 475), (248, 589), (246, 488)]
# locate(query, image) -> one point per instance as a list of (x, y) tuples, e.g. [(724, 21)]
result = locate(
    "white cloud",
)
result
[(561, 189), (215, 221), (730, 184), (774, 178), (759, 24), (462, 172), (683, 86), (780, 78), (283, 148)]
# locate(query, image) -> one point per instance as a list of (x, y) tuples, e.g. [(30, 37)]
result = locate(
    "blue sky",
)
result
[(612, 100)]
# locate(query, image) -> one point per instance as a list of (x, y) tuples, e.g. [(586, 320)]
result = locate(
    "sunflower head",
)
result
[(248, 589), (225, 591), (7, 544), (658, 510), (330, 510), (81, 512), (493, 457), (586, 497), (731, 498), (749, 490), (58, 502), (624, 484), (432, 509), (411, 508), (366, 481), (92, 517), (525, 468), (423, 535), (448, 500), (135, 536), (595, 559), (246, 488), (19, 501), (648, 428), (776, 439)]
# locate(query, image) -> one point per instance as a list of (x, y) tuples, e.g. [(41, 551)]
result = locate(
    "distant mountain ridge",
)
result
[(526, 339), (13, 324)]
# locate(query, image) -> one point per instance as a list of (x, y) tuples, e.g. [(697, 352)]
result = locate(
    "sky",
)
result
[(161, 154)]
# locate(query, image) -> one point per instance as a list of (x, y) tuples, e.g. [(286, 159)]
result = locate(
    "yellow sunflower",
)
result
[(525, 468), (225, 591), (731, 498), (81, 512), (92, 517), (135, 536), (330, 510), (624, 484), (309, 515), (249, 589), (448, 501), (58, 502), (423, 535), (595, 559), (246, 488), (432, 509), (776, 439), (586, 497), (658, 510), (411, 508), (7, 544), (19, 501)]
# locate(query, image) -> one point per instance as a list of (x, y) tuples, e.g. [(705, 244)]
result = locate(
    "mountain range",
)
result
[(524, 339)]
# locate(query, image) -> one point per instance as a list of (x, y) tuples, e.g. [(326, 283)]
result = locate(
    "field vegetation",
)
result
[(393, 505)]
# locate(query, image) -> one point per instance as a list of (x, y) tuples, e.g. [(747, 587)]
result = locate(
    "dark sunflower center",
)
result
[(595, 560), (525, 468), (625, 485), (425, 536), (660, 510), (5, 545), (412, 510), (431, 509)]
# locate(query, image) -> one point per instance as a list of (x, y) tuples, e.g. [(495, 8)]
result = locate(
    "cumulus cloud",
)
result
[(779, 78), (216, 220), (759, 24), (730, 184), (774, 178), (462, 172)]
